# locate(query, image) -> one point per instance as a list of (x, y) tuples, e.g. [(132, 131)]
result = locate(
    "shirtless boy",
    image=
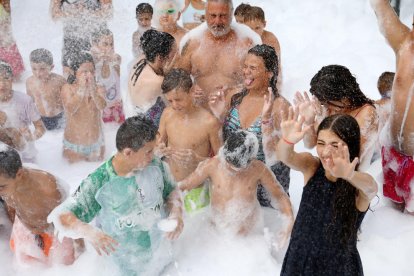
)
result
[(107, 64), (45, 89), (167, 13), (398, 182), (29, 196), (216, 56), (188, 134), (83, 101), (235, 175)]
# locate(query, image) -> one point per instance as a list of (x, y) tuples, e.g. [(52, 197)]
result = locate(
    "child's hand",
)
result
[(292, 126), (306, 107), (185, 157), (172, 235), (340, 166), (163, 151), (199, 95), (101, 242)]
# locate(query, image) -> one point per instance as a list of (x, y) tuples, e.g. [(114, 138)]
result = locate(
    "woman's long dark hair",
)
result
[(335, 83), (271, 62), (347, 129), (153, 43)]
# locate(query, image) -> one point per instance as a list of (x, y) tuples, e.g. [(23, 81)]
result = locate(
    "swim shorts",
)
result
[(55, 122), (398, 171), (87, 150)]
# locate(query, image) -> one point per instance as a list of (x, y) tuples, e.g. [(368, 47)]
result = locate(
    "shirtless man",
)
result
[(401, 145), (83, 101), (167, 13), (235, 175), (17, 114), (215, 58), (45, 87), (188, 134), (29, 196)]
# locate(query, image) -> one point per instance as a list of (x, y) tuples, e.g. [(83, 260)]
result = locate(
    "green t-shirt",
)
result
[(127, 208)]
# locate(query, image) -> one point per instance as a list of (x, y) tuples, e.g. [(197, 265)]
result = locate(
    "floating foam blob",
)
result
[(167, 225)]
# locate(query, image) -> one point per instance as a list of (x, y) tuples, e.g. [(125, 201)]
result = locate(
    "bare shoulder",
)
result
[(190, 45), (59, 79), (46, 181), (367, 111)]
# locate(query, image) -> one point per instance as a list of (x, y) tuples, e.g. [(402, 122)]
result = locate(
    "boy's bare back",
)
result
[(35, 197)]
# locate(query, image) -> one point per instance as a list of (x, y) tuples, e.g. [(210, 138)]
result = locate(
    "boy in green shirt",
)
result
[(130, 194)]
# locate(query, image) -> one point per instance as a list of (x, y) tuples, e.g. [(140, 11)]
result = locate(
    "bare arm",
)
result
[(197, 177), (184, 59), (71, 99), (390, 25), (293, 132), (368, 123), (100, 241), (98, 97), (215, 135), (39, 129), (174, 205)]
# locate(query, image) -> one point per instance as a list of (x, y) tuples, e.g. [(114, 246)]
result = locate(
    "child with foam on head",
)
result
[(83, 101), (335, 198), (144, 13), (29, 196), (134, 198), (18, 115), (107, 64), (45, 89), (235, 174)]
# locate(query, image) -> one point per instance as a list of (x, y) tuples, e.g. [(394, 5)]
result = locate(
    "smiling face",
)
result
[(327, 144), (254, 73), (168, 13)]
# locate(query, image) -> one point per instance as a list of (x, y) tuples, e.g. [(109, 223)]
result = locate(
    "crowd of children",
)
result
[(227, 146)]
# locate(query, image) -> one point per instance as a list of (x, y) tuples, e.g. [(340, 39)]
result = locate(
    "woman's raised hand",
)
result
[(292, 126)]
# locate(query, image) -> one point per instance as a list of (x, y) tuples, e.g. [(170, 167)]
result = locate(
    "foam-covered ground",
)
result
[(312, 33)]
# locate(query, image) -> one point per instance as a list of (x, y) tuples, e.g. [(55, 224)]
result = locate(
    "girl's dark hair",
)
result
[(135, 132), (347, 129), (76, 61), (335, 83), (155, 43), (271, 62)]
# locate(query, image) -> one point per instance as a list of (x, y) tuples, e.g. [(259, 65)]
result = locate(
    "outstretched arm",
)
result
[(197, 177), (389, 23), (292, 133)]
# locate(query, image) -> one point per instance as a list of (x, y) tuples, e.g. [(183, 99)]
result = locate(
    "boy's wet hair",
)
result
[(76, 61), (10, 161), (336, 83), (144, 8), (384, 83), (242, 9), (96, 36), (254, 13), (155, 43), (135, 132), (5, 69), (240, 148), (41, 55), (175, 79), (271, 62)]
